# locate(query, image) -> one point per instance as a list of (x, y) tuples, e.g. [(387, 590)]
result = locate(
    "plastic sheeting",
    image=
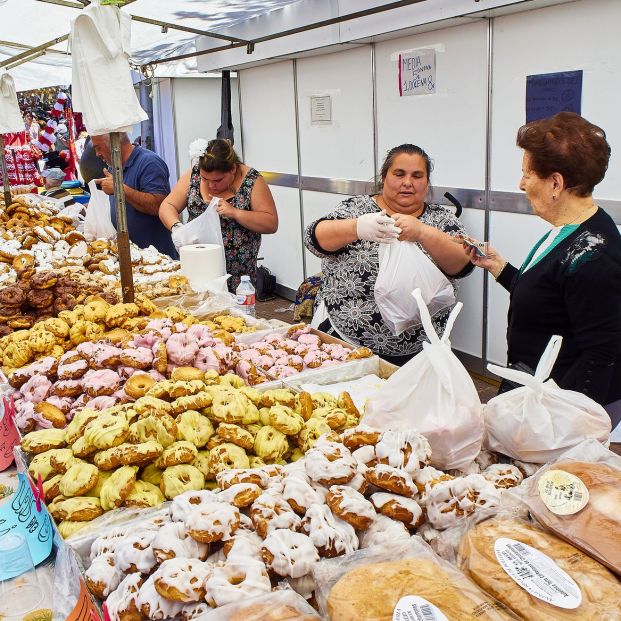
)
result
[(10, 115)]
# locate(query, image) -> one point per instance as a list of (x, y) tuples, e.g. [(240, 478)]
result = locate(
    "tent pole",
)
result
[(5, 177), (122, 234)]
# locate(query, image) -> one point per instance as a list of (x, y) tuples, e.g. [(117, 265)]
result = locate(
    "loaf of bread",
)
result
[(599, 595), (595, 529), (372, 591)]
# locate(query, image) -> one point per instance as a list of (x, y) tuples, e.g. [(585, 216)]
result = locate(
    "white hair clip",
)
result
[(197, 149)]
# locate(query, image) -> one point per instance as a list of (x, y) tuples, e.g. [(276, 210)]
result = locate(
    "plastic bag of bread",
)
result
[(539, 421), (433, 394), (538, 575), (370, 585), (285, 605), (579, 499)]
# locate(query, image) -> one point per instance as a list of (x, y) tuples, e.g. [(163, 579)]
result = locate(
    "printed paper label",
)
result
[(414, 608), (562, 492), (537, 573)]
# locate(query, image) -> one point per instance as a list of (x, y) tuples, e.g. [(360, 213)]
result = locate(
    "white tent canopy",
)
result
[(30, 23)]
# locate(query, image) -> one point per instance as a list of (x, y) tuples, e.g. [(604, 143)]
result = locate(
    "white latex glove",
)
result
[(377, 227), (181, 237)]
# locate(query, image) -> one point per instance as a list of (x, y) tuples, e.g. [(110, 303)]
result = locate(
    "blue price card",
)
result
[(549, 93), (20, 515)]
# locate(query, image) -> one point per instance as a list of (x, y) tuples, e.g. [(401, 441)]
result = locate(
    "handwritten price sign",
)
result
[(21, 515), (8, 434), (84, 609)]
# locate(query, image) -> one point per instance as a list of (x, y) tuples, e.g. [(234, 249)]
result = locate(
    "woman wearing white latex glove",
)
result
[(347, 240)]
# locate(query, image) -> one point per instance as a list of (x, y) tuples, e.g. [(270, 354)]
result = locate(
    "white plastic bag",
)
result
[(539, 421), (403, 267), (97, 223), (433, 394)]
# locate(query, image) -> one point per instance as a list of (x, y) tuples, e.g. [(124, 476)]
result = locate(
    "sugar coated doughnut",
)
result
[(288, 553)]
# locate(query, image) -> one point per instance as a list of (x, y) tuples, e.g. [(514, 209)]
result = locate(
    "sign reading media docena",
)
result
[(417, 73)]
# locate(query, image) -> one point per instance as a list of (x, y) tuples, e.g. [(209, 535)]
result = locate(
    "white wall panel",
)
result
[(164, 126), (268, 117), (582, 35), (317, 205), (282, 252), (342, 149), (197, 113), (449, 125), (513, 235), (467, 335)]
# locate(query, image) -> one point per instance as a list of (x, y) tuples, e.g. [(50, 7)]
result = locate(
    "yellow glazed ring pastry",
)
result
[(179, 479), (194, 427), (144, 494), (162, 429), (182, 452), (236, 435), (78, 480), (270, 444), (43, 440), (227, 456), (41, 465), (106, 431), (285, 420), (118, 487), (79, 509)]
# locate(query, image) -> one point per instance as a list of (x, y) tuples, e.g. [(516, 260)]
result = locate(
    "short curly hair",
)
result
[(568, 144)]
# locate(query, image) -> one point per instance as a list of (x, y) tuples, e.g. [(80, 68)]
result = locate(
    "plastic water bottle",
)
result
[(246, 296)]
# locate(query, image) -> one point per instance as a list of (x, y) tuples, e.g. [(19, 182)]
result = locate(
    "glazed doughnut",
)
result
[(188, 502), (392, 480), (67, 388), (151, 405), (138, 385), (288, 553), (118, 313), (227, 478), (242, 546), (155, 607), (190, 402), (79, 479), (39, 298), (285, 420), (180, 452), (137, 358), (240, 495), (408, 450), (270, 444), (383, 532), (122, 602), (128, 454), (503, 476), (213, 522), (43, 280), (41, 465), (399, 508), (271, 512), (43, 440), (160, 357), (51, 413), (12, 295), (331, 535), (78, 423), (330, 463), (227, 456), (106, 431), (311, 431), (162, 429), (179, 479), (186, 374), (360, 436), (236, 435), (181, 349), (133, 553), (335, 418), (278, 396), (236, 581), (117, 488), (101, 382), (78, 509), (21, 262), (350, 506), (194, 427), (299, 493), (181, 579), (36, 389), (172, 541), (51, 487), (73, 370), (103, 577), (64, 302)]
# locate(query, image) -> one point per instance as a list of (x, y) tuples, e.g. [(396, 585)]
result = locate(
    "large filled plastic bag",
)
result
[(403, 267), (538, 421), (97, 223), (433, 394)]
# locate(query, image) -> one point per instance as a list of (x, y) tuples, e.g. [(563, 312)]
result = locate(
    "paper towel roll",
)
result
[(202, 263)]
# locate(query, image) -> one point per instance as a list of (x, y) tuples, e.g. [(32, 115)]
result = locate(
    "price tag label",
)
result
[(9, 437), (20, 515), (84, 609), (562, 492), (414, 608), (537, 573)]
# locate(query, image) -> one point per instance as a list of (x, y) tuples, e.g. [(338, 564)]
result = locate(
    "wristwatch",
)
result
[(172, 228)]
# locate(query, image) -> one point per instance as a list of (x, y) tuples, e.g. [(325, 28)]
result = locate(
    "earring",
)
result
[(553, 197)]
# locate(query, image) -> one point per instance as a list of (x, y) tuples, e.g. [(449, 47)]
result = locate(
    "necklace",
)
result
[(581, 215)]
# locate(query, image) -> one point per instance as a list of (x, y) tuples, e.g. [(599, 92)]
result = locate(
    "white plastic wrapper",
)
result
[(434, 394), (539, 421)]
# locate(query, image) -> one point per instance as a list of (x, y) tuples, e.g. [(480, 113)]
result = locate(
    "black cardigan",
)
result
[(574, 291)]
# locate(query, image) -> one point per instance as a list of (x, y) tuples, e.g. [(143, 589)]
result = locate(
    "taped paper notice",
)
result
[(19, 515), (9, 437)]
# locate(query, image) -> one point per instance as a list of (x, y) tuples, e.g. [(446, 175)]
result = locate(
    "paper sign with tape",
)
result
[(9, 437), (84, 609)]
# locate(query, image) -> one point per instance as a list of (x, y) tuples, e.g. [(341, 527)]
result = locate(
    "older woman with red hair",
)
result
[(570, 282)]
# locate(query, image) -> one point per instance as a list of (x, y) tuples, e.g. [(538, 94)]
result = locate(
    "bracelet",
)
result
[(501, 270)]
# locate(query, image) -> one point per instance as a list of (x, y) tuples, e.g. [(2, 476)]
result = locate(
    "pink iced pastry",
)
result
[(138, 357), (251, 355), (289, 345), (146, 340), (309, 339), (165, 327), (36, 389), (105, 355), (64, 404), (72, 370), (280, 371), (202, 335), (296, 362), (181, 349), (265, 362), (126, 372), (67, 356), (101, 382), (101, 403), (156, 375), (295, 335), (24, 414), (207, 360), (314, 359), (273, 339)]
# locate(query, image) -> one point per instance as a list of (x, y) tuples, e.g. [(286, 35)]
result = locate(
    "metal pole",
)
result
[(122, 234), (5, 177)]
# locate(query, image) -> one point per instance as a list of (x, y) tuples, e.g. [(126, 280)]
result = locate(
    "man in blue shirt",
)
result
[(146, 185)]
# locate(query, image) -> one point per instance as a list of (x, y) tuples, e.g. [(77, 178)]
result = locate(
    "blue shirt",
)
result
[(146, 171)]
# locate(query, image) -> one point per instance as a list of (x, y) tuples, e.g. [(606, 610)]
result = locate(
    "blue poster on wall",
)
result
[(549, 93)]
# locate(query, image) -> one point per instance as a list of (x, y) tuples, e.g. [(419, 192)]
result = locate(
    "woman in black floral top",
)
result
[(347, 240), (246, 207)]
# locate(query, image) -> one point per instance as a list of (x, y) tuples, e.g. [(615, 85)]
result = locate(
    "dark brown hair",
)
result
[(568, 144), (219, 155), (408, 149)]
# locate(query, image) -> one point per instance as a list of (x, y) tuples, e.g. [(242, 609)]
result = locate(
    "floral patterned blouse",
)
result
[(349, 276), (241, 246)]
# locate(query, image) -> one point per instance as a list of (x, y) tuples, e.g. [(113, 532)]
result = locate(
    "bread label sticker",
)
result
[(414, 608), (562, 492), (537, 573)]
